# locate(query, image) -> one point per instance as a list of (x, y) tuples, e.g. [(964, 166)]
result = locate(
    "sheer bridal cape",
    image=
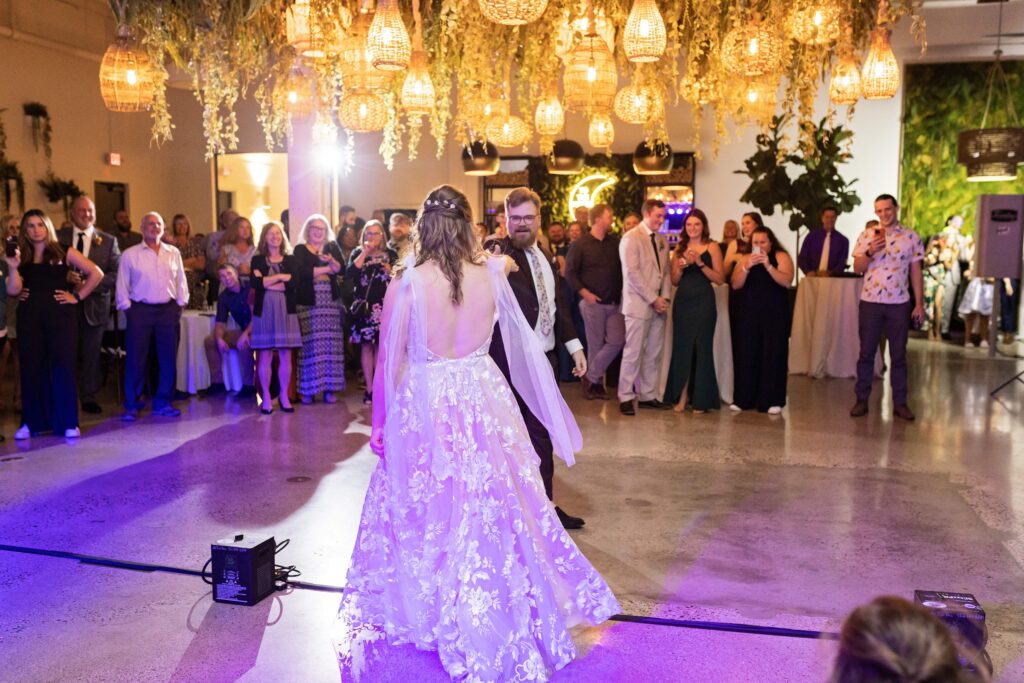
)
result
[(459, 550)]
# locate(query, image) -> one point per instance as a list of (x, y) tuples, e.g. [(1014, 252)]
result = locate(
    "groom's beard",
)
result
[(523, 239)]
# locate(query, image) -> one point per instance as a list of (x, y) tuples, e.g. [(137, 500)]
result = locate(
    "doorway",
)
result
[(109, 198)]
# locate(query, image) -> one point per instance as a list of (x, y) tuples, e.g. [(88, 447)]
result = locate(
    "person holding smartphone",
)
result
[(889, 256), (369, 270)]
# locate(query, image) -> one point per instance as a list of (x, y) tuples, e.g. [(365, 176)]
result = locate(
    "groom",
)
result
[(538, 289)]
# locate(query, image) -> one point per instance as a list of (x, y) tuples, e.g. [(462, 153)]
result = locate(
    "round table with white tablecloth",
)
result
[(193, 371), (722, 346), (824, 341)]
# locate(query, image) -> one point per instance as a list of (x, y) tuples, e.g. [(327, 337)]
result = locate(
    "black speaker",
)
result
[(243, 569)]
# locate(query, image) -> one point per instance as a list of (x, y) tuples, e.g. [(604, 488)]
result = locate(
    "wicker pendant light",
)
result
[(299, 26), (549, 118), (590, 78), (362, 111), (638, 103), (418, 97), (644, 39), (299, 92), (513, 12), (752, 49), (815, 22), (601, 132), (844, 88), (312, 36), (356, 67), (700, 89), (508, 131), (755, 100), (127, 78), (880, 78), (388, 41)]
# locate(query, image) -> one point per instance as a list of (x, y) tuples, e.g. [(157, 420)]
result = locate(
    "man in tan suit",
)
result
[(645, 291)]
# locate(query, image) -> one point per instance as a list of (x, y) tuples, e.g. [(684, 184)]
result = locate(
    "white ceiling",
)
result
[(961, 30)]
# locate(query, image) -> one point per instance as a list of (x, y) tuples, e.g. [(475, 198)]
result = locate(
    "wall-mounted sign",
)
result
[(585, 192)]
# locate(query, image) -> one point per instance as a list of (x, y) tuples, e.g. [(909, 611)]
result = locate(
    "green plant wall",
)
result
[(626, 195), (940, 100)]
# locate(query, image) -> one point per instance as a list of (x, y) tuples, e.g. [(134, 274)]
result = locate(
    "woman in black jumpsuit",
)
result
[(48, 327)]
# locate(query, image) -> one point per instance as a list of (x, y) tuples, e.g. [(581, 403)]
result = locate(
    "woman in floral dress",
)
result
[(369, 270)]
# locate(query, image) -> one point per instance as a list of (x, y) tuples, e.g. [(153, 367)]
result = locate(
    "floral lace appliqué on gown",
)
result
[(459, 550)]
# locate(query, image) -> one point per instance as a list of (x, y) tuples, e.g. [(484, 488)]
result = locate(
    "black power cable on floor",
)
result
[(285, 574)]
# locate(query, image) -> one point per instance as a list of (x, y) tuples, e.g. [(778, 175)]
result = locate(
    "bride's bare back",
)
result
[(454, 331)]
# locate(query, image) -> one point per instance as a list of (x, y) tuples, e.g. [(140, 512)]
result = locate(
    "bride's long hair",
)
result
[(444, 233)]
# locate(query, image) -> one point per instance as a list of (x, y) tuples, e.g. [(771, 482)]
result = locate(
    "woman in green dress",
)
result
[(696, 265)]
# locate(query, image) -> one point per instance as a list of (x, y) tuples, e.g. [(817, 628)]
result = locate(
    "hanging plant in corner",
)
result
[(819, 185), (42, 130), (60, 191), (12, 182)]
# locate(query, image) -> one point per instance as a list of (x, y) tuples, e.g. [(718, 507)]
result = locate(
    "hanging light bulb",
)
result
[(549, 117), (388, 40), (601, 132), (880, 78), (299, 92), (644, 39), (815, 22), (508, 131), (513, 12), (590, 78), (844, 88), (418, 97), (638, 103), (362, 111), (127, 80), (752, 49)]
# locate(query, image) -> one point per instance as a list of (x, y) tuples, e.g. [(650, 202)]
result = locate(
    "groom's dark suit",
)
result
[(526, 294)]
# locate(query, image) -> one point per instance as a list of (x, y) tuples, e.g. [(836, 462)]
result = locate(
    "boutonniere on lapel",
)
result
[(97, 240)]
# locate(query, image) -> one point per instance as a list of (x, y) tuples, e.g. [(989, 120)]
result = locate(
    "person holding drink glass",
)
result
[(369, 270)]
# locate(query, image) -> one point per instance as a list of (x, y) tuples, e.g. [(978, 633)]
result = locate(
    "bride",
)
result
[(459, 549)]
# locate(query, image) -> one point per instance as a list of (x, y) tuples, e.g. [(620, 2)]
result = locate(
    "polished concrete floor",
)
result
[(789, 521)]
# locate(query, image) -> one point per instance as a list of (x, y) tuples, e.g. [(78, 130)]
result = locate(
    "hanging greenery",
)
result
[(940, 101), (819, 184), (232, 48), (42, 129), (12, 182), (60, 191)]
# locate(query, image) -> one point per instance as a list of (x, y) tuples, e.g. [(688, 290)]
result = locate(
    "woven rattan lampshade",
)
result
[(590, 79), (356, 68), (127, 79), (418, 97), (644, 38), (991, 153), (299, 27), (880, 78), (638, 103), (513, 12), (699, 90), (549, 117), (755, 100), (299, 93), (601, 132), (362, 111), (388, 40), (508, 131), (315, 37), (844, 88), (752, 49), (814, 22)]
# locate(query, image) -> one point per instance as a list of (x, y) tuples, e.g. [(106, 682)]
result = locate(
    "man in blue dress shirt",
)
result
[(824, 251)]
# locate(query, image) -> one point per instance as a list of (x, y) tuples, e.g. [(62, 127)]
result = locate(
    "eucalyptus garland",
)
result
[(233, 48)]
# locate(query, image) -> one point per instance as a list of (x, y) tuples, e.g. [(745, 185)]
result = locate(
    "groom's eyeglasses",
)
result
[(521, 219)]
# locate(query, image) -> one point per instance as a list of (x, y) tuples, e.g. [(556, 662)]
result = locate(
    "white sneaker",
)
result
[(983, 344), (775, 410), (72, 433), (735, 408), (22, 433)]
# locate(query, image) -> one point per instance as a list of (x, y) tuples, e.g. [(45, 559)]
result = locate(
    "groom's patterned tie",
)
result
[(545, 317)]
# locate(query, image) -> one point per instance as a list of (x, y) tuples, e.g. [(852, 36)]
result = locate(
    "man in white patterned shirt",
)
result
[(889, 257), (152, 290)]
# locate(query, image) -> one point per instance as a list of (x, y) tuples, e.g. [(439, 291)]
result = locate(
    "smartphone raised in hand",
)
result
[(11, 248)]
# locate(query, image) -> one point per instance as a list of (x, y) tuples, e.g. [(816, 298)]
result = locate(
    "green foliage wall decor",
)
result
[(626, 195), (940, 100)]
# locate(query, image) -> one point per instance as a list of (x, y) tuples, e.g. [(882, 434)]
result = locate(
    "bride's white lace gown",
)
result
[(459, 550)]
